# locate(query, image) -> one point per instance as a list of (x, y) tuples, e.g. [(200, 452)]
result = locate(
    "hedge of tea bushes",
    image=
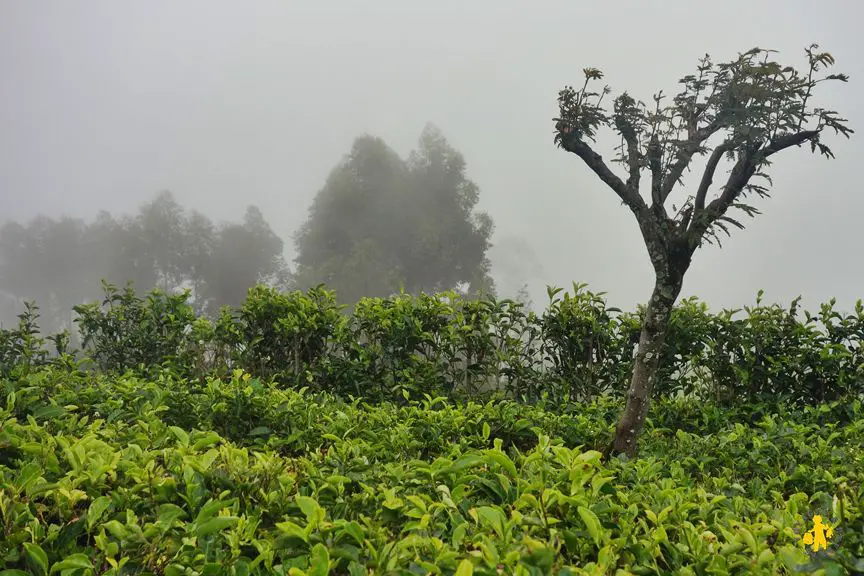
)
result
[(103, 474), (446, 345)]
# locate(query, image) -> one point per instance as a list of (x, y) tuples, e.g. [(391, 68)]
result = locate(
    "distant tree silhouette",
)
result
[(381, 223), (59, 263)]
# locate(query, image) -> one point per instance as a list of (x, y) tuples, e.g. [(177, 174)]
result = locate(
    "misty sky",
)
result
[(229, 103)]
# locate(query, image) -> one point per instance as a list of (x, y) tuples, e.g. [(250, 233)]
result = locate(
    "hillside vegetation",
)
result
[(428, 435)]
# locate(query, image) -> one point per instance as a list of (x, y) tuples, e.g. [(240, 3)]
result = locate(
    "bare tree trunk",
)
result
[(651, 341)]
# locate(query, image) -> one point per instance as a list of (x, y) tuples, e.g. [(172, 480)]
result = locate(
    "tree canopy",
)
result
[(59, 263), (381, 223)]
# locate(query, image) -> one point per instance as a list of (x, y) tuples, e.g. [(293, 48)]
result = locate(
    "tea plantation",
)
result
[(178, 468), (117, 475)]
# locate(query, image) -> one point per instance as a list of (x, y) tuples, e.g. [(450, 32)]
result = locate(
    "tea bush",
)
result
[(126, 332), (125, 474), (389, 348)]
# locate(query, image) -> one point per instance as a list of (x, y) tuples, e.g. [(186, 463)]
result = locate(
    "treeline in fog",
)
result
[(380, 224)]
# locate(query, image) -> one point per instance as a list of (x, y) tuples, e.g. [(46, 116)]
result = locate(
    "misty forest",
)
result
[(379, 225), (379, 391)]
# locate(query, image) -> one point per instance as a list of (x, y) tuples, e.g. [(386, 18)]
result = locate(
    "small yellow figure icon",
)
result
[(819, 535)]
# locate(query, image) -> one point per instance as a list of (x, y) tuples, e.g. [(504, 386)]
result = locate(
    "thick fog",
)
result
[(224, 103)]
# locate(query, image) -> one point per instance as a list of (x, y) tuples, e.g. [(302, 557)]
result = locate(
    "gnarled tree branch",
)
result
[(626, 119), (656, 167), (788, 140), (634, 162), (685, 155), (708, 174), (572, 143), (744, 169)]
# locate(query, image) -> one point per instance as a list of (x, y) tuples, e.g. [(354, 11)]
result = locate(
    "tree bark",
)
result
[(651, 340)]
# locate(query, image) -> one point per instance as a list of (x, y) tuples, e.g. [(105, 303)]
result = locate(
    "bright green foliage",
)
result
[(118, 475)]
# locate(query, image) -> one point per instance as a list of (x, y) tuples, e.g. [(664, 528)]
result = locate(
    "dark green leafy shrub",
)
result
[(287, 335), (22, 347), (125, 332), (583, 343), (406, 346)]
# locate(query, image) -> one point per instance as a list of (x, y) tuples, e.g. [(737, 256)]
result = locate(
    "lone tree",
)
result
[(745, 111)]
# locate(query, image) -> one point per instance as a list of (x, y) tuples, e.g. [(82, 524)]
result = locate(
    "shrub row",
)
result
[(577, 350)]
